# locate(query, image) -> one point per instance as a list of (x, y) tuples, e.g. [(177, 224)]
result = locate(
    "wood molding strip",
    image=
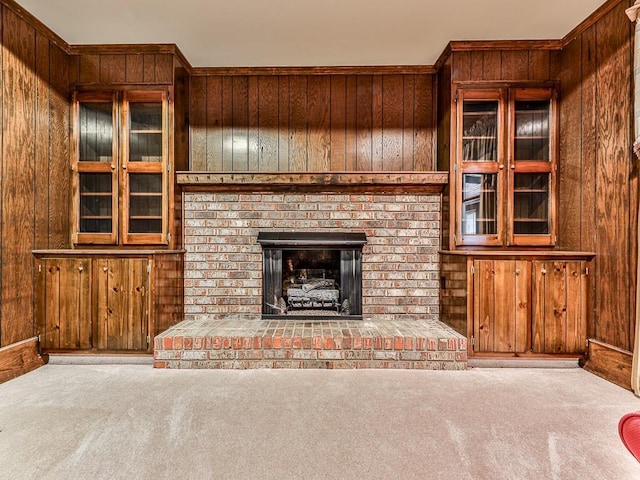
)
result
[(479, 45), (609, 362), (589, 21), (338, 70), (19, 358)]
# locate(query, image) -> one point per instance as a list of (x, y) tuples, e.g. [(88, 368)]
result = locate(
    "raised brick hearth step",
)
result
[(239, 342)]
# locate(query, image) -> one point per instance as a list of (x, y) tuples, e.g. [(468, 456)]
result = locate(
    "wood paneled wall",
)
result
[(598, 190), (34, 191), (312, 123)]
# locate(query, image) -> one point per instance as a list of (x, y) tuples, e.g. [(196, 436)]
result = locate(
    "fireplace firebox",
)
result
[(312, 274)]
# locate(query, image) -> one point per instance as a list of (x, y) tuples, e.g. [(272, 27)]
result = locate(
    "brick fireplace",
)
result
[(224, 261)]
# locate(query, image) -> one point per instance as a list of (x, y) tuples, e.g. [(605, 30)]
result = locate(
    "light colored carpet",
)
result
[(133, 422)]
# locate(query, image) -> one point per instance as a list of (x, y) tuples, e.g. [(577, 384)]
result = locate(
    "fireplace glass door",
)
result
[(301, 281)]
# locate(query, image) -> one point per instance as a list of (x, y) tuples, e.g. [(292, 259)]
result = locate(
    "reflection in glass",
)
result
[(532, 130), (96, 132), (145, 203), (531, 204), (145, 136), (479, 131), (479, 207), (96, 210)]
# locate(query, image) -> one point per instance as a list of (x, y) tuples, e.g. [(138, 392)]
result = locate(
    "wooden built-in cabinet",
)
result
[(107, 300), (517, 303), (121, 165), (504, 174)]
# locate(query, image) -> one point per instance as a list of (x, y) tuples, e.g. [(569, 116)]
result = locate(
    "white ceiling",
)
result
[(223, 33)]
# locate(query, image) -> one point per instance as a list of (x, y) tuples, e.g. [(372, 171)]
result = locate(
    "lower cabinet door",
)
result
[(559, 307), (122, 304), (501, 306), (63, 310)]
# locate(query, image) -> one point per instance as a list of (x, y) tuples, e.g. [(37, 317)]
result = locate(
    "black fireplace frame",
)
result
[(348, 243)]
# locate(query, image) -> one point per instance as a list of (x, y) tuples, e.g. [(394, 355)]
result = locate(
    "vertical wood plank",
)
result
[(113, 69), (351, 124), (101, 326), (364, 118), (461, 68), (539, 65), (59, 189), (423, 123), (18, 172), (319, 123), (492, 65), (539, 307), (484, 305), (392, 122), (298, 123), (149, 68), (576, 334), (515, 65), (227, 124), (338, 123), (253, 120), (240, 124), (284, 125), (377, 122), (214, 122), (116, 301), (134, 68), (198, 125), (69, 288), (504, 326), (555, 313), (612, 186), (477, 66), (163, 68), (89, 69), (51, 313), (522, 305), (136, 299), (570, 163), (74, 68), (85, 304), (42, 129), (268, 130), (408, 145)]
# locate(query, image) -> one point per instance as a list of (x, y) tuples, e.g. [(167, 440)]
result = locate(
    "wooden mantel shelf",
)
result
[(428, 182)]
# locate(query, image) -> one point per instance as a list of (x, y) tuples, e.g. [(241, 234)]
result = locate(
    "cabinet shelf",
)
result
[(145, 217), (96, 194), (145, 194), (96, 217), (146, 132), (530, 190)]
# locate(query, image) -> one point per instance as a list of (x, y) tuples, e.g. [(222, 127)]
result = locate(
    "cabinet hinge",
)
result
[(586, 271), (148, 339), (455, 99), (473, 340), (148, 267), (40, 268), (168, 168), (169, 97), (455, 167), (455, 239), (473, 270), (168, 237)]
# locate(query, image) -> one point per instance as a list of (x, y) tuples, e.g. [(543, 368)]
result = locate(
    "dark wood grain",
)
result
[(376, 124), (134, 68), (113, 69), (284, 122), (163, 68), (423, 120), (610, 362), (18, 173), (42, 129), (213, 132), (227, 123), (20, 358), (149, 68), (298, 148), (338, 114), (199, 125), (253, 119), (407, 158), (492, 65), (515, 65), (268, 112), (539, 65), (319, 123), (364, 119), (89, 69), (392, 123)]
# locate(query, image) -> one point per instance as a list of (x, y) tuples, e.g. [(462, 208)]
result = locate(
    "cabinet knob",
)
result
[(543, 271), (80, 269), (104, 269), (124, 167), (517, 271), (113, 167), (513, 167), (501, 167)]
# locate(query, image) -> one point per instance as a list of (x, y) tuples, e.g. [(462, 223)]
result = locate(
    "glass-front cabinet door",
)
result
[(120, 163), (505, 167), (95, 162)]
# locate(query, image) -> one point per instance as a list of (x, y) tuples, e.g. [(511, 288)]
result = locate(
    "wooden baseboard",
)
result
[(19, 358), (609, 362)]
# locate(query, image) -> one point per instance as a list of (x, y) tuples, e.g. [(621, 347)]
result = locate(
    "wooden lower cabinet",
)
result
[(517, 304), (107, 303)]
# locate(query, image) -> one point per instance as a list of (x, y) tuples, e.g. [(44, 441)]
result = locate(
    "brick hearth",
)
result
[(242, 342)]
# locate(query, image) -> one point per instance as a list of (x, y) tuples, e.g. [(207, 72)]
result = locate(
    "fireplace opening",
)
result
[(309, 274)]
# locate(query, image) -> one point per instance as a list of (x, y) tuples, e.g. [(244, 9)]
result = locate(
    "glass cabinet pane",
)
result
[(480, 131), (479, 207), (145, 132), (531, 204), (96, 132), (531, 140), (96, 207), (145, 203)]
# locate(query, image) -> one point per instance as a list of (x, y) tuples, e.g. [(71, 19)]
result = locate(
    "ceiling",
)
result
[(249, 33)]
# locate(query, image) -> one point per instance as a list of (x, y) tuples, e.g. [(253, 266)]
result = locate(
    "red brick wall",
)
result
[(223, 264)]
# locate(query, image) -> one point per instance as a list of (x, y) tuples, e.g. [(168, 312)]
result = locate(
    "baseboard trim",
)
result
[(20, 358), (609, 362)]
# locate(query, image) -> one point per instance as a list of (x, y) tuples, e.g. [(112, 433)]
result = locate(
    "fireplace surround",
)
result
[(312, 274)]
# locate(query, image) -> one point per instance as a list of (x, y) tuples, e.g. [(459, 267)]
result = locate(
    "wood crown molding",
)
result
[(337, 70), (132, 49), (476, 45), (35, 23)]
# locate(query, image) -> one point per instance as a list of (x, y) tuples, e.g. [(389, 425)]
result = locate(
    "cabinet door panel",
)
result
[(122, 304), (64, 316), (559, 309), (501, 305)]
